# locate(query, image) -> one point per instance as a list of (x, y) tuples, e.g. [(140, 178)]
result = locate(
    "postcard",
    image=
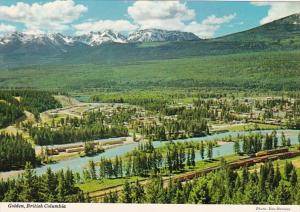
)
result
[(149, 105)]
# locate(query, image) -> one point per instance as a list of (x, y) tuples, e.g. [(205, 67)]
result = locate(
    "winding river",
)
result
[(78, 164)]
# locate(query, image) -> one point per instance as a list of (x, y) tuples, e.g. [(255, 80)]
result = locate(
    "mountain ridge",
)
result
[(109, 47), (99, 37)]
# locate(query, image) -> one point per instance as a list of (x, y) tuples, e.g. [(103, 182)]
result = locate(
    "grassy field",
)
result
[(250, 126), (267, 70), (94, 185)]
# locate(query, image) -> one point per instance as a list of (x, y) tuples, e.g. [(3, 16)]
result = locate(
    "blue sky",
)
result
[(206, 19)]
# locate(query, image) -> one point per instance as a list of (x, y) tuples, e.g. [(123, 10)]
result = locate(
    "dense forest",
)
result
[(266, 185), (15, 102), (92, 126), (49, 187), (15, 152), (9, 114), (229, 71)]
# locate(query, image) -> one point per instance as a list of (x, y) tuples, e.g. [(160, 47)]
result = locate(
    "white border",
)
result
[(97, 207)]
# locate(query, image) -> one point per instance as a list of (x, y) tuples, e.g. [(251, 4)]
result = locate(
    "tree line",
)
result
[(146, 160), (227, 186), (47, 136), (49, 187), (255, 142), (93, 126)]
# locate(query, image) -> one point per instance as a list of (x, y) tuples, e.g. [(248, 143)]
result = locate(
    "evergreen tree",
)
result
[(277, 177), (188, 161), (200, 193), (283, 139), (202, 150), (288, 142), (288, 168), (155, 191), (126, 196), (181, 157), (29, 189), (275, 142), (236, 147), (209, 150), (137, 193), (61, 187), (283, 193), (92, 170), (112, 197), (47, 190), (293, 178), (193, 163)]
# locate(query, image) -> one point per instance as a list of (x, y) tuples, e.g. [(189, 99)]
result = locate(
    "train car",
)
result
[(52, 152), (77, 149), (270, 152), (238, 164)]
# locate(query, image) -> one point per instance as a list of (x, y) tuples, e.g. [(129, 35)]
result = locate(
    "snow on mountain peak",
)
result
[(155, 35), (25, 38), (95, 38), (98, 38)]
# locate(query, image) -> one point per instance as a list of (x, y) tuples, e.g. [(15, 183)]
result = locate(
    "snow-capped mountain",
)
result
[(52, 44), (98, 38), (58, 40), (44, 39), (156, 35), (19, 49)]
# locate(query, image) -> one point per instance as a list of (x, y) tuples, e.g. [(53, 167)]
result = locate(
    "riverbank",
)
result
[(63, 157), (79, 163)]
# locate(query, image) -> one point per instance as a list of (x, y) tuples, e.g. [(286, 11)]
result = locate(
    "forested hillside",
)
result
[(15, 151), (279, 35), (255, 71), (15, 102)]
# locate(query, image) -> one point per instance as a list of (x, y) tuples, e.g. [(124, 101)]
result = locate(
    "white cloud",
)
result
[(160, 14), (202, 30), (59, 15), (4, 28), (278, 10), (53, 16), (101, 25), (208, 27), (174, 15), (214, 20)]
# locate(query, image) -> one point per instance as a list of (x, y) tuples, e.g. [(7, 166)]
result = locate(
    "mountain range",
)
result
[(94, 38), (20, 49)]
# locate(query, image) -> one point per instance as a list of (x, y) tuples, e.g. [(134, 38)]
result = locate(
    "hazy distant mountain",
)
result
[(156, 35)]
